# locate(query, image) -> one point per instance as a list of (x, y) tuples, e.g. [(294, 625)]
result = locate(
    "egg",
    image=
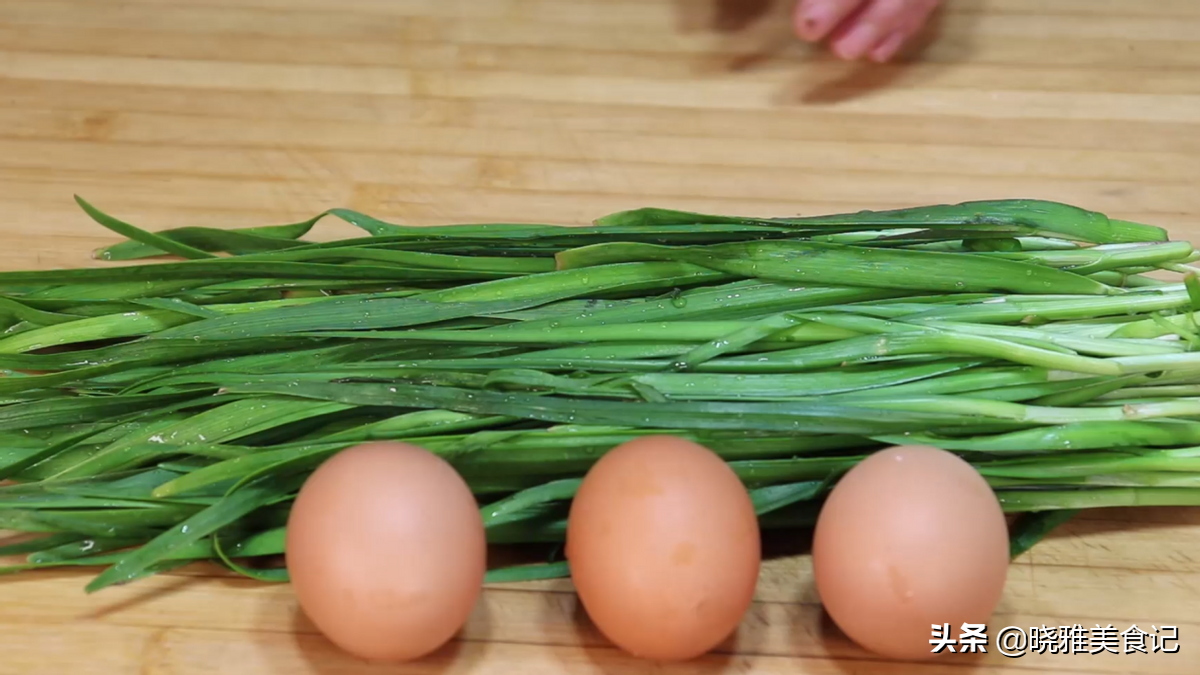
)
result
[(386, 551), (664, 548), (909, 538)]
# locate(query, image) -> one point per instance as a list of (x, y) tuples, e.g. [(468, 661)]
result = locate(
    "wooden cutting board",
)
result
[(250, 112)]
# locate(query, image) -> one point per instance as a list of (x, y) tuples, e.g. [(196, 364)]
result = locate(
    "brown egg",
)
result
[(664, 548), (910, 537), (386, 551)]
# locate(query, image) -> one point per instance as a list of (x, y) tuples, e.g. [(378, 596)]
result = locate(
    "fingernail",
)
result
[(857, 41), (814, 21), (885, 50)]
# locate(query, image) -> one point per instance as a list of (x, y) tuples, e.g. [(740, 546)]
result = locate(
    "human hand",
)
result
[(875, 29)]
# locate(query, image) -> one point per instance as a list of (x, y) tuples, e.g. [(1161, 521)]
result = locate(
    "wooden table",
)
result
[(241, 112)]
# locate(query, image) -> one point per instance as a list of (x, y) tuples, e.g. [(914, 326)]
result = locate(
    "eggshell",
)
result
[(663, 543), (909, 538), (386, 551)]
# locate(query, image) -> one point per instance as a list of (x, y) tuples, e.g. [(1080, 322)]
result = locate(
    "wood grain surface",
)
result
[(247, 112)]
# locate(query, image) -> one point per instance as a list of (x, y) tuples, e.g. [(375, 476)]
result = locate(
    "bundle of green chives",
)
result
[(157, 413)]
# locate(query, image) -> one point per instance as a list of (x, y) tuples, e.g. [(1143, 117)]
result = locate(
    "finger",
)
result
[(815, 19), (877, 22), (887, 48)]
